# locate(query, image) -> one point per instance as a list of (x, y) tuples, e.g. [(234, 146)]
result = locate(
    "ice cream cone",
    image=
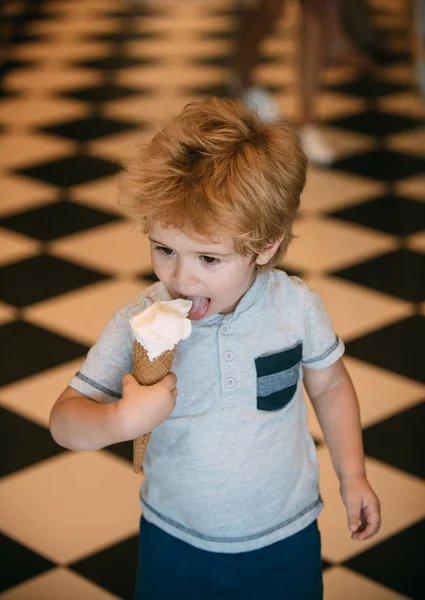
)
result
[(147, 372)]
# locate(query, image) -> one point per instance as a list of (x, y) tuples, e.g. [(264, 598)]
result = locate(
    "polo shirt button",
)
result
[(229, 355), (230, 382), (225, 329)]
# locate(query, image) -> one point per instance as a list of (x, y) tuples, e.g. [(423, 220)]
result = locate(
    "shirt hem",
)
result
[(231, 545)]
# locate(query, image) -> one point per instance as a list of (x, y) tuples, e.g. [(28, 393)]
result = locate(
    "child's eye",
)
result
[(164, 250), (209, 260)]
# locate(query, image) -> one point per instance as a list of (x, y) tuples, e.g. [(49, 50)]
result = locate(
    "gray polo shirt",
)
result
[(234, 467)]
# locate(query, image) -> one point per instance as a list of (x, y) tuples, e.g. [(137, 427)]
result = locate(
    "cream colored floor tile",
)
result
[(278, 46), (338, 74), (170, 76), (179, 45), (326, 244), (342, 583), (403, 502), (102, 194), (356, 310), (51, 78), (121, 146), (344, 143), (70, 27), (192, 23), (326, 190), (381, 394), (287, 104), (414, 187), (39, 111), (7, 313), (81, 315), (115, 248), (403, 103), (55, 584), (79, 503), (18, 150), (399, 74), (43, 389), (412, 142), (417, 241), (332, 105), (155, 109), (272, 74), (18, 194), (15, 247), (61, 50)]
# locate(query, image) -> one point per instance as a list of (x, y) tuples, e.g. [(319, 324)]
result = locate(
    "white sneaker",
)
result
[(315, 146), (255, 98), (261, 102)]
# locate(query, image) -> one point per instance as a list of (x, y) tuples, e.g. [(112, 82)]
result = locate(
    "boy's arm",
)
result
[(335, 403), (80, 423)]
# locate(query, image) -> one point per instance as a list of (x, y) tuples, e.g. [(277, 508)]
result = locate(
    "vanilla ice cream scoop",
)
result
[(161, 326)]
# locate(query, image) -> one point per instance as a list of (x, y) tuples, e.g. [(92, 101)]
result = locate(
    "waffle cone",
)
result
[(147, 372)]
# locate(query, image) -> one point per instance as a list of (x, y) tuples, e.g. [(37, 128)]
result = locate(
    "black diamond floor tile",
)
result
[(398, 562), (383, 165), (31, 349), (41, 277), (136, 10), (149, 275), (224, 34), (367, 87), (90, 128), (54, 221), (390, 213), (114, 568), (19, 563), (125, 36), (104, 93), (376, 123), (225, 60), (8, 66), (66, 172), (398, 347), (123, 449), (400, 273), (112, 63), (37, 444), (399, 440)]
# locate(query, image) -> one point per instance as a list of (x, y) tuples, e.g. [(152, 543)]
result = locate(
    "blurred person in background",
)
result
[(337, 29)]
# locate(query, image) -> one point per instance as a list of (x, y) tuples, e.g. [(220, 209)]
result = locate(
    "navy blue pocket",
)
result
[(277, 377)]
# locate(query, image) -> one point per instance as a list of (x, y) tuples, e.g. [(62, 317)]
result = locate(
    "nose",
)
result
[(183, 276)]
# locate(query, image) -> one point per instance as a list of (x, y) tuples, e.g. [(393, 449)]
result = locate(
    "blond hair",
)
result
[(217, 168)]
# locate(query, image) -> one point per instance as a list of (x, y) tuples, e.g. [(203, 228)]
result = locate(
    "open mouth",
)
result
[(200, 306)]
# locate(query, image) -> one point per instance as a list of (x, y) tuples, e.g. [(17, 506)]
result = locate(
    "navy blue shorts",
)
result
[(170, 569)]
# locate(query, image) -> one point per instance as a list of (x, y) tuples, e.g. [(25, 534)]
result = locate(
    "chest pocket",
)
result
[(277, 377)]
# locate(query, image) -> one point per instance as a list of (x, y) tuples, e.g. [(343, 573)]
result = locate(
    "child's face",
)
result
[(210, 273)]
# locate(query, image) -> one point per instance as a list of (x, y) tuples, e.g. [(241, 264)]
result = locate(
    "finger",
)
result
[(170, 381), (369, 528), (353, 515)]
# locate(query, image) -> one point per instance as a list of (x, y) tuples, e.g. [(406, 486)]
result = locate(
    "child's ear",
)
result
[(268, 252)]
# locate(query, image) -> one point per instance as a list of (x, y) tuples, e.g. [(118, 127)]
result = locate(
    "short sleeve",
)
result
[(108, 360), (322, 347)]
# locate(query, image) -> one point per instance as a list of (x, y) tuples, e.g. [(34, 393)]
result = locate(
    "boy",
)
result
[(230, 497)]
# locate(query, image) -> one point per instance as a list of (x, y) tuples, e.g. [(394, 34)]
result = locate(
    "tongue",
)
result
[(199, 308)]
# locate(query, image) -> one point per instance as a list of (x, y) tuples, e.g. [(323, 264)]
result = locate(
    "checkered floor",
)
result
[(83, 81)]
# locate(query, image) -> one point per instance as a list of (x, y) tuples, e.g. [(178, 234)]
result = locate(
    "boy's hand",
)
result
[(362, 505), (142, 408)]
